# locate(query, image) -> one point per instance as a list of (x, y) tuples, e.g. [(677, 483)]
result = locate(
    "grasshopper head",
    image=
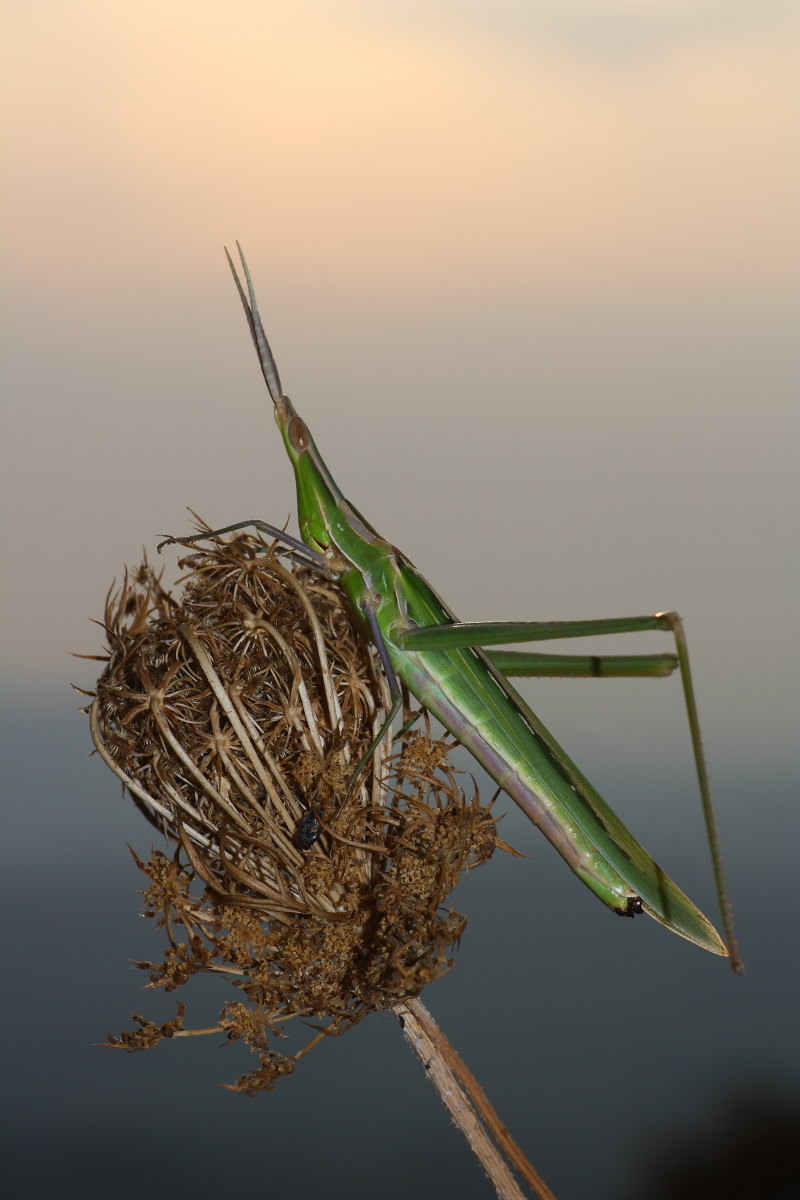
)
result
[(319, 499)]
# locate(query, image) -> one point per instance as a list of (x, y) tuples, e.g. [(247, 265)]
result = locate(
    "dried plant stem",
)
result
[(467, 1103)]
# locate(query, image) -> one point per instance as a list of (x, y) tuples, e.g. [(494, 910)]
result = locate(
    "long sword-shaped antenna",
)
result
[(250, 305)]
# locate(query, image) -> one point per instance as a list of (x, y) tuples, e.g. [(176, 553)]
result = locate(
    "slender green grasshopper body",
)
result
[(446, 665)]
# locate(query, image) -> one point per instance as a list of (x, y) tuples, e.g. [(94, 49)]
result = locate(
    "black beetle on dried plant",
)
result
[(236, 716)]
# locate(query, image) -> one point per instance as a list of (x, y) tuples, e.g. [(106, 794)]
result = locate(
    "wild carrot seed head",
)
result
[(235, 714)]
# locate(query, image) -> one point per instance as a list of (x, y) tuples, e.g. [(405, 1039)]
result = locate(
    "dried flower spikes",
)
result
[(236, 716)]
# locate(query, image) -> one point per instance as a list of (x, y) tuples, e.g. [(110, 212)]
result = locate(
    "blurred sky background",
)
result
[(530, 272)]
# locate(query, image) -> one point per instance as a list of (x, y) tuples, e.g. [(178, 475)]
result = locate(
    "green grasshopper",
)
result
[(444, 663)]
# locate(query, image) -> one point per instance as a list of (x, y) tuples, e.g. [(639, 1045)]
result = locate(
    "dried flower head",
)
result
[(237, 716)]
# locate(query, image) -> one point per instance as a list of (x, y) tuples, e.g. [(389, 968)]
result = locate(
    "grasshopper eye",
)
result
[(298, 433)]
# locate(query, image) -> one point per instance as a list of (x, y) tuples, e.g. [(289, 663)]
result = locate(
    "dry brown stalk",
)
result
[(467, 1103)]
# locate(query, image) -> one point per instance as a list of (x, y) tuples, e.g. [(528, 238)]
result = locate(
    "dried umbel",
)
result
[(236, 716)]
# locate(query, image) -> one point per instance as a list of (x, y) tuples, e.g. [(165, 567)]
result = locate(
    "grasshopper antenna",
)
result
[(268, 368)]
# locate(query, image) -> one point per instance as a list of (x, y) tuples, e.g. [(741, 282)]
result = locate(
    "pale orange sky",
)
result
[(529, 270), (375, 137)]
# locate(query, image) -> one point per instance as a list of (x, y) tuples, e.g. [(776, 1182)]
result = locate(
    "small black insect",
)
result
[(307, 830)]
